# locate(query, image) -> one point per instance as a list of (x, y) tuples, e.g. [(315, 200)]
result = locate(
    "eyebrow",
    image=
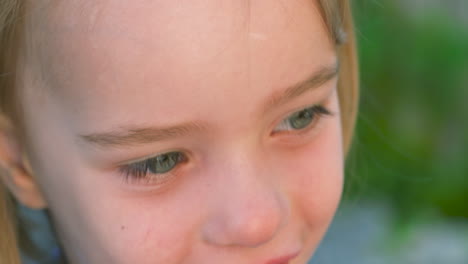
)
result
[(315, 80), (132, 136)]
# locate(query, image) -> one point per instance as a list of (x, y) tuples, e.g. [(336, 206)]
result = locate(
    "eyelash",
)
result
[(137, 172)]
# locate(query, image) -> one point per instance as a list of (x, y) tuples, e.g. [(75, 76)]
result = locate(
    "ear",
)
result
[(15, 170)]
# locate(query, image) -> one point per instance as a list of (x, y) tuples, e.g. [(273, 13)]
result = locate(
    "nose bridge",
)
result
[(250, 208)]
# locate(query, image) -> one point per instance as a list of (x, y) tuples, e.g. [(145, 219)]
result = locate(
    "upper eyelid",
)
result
[(323, 102), (138, 160), (151, 156), (302, 109)]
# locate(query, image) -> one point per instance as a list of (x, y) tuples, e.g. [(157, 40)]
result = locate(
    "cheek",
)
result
[(147, 235), (139, 229), (316, 171)]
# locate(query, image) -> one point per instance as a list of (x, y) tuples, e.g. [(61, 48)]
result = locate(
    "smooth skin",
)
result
[(205, 79)]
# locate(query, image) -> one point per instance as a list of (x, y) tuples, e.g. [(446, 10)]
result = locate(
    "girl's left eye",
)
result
[(302, 119), (153, 170)]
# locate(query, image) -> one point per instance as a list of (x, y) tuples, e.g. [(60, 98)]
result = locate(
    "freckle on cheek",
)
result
[(122, 227)]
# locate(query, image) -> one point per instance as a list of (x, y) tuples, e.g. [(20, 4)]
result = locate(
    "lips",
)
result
[(282, 260)]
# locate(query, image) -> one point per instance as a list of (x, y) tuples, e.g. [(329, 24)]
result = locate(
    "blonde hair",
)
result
[(337, 18)]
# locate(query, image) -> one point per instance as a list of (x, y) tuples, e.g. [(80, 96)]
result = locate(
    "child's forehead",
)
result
[(101, 49), (188, 18), (208, 23)]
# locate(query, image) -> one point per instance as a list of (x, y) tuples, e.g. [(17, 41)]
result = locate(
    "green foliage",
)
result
[(412, 133)]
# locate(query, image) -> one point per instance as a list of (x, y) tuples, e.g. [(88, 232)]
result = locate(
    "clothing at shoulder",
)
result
[(38, 243)]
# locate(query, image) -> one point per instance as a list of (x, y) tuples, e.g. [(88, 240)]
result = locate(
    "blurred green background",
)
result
[(412, 134), (406, 195)]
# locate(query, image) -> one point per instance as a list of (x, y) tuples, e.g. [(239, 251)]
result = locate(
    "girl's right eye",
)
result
[(154, 170)]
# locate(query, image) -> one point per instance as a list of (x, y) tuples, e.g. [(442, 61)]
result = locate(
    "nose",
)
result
[(249, 211)]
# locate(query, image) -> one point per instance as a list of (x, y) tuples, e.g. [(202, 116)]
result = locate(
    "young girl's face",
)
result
[(185, 132)]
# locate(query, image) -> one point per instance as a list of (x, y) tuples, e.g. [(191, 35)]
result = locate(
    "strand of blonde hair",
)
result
[(9, 12)]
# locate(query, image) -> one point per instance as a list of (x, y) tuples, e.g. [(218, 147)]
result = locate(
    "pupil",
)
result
[(302, 119)]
